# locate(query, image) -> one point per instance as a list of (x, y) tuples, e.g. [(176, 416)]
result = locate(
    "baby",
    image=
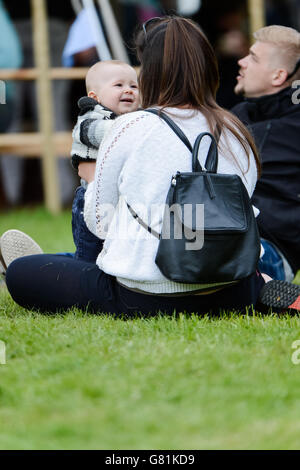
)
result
[(112, 90)]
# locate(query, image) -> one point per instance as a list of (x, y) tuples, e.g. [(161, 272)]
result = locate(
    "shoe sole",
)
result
[(16, 244), (280, 294)]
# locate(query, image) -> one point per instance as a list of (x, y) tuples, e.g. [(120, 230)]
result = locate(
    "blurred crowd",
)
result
[(225, 23)]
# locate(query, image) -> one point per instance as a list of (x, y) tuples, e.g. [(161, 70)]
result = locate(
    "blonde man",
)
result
[(266, 78)]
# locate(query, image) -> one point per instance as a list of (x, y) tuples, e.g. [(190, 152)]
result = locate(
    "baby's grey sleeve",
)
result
[(92, 131)]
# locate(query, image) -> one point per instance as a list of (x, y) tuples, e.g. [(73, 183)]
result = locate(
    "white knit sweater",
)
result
[(136, 161)]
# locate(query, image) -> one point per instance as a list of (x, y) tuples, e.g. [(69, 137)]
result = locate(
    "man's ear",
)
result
[(93, 95), (279, 77)]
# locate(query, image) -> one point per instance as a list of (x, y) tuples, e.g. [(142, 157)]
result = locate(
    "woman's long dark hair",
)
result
[(179, 68)]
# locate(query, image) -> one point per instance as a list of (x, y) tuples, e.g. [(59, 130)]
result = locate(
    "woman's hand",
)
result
[(86, 171)]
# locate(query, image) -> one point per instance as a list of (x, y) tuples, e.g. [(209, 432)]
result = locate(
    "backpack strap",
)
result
[(211, 162), (142, 223), (212, 156)]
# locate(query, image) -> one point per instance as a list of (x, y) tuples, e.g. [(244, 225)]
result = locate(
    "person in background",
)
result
[(271, 111), (132, 14), (225, 25)]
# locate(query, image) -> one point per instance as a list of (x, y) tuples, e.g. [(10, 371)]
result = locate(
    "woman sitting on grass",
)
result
[(135, 164)]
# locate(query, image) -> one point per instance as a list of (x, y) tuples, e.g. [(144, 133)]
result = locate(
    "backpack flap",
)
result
[(223, 212)]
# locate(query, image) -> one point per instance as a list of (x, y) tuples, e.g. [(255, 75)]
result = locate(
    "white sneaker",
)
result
[(15, 244)]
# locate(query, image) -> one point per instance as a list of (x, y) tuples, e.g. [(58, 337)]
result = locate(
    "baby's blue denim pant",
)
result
[(88, 246), (273, 263)]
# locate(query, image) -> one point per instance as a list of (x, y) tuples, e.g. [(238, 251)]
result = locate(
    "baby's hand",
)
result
[(86, 171)]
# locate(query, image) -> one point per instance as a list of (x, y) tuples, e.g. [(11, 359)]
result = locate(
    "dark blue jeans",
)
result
[(88, 246), (51, 283)]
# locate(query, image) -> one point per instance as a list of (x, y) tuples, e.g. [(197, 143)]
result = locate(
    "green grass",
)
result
[(52, 232), (78, 381)]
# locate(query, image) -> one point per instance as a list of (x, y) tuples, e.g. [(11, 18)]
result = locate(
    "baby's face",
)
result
[(118, 89)]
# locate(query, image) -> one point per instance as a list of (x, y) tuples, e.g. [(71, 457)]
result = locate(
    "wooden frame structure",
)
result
[(256, 9), (47, 144)]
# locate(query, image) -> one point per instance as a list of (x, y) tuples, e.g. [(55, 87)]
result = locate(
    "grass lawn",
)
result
[(78, 381)]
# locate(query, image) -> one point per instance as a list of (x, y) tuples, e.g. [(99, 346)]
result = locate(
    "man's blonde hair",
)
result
[(287, 41)]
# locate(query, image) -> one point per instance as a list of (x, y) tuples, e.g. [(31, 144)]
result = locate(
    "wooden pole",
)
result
[(56, 73), (41, 53), (256, 9)]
